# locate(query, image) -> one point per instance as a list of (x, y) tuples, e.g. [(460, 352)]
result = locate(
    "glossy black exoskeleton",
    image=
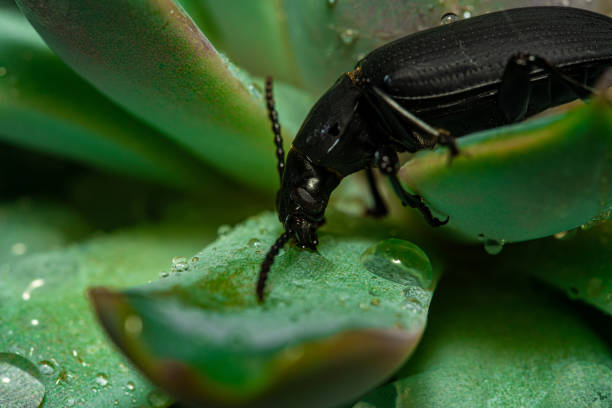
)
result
[(417, 91)]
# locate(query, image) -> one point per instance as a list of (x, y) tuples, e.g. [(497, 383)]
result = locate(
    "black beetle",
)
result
[(413, 93)]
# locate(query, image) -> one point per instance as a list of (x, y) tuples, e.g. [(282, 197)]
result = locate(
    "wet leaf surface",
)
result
[(327, 321), (501, 342)]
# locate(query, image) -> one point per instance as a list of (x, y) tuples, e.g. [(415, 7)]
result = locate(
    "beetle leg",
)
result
[(435, 136), (515, 89), (379, 209), (387, 161)]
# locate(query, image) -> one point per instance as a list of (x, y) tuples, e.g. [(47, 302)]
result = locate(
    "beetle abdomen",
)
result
[(471, 54)]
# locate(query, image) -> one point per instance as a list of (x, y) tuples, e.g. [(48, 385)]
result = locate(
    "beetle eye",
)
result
[(334, 129)]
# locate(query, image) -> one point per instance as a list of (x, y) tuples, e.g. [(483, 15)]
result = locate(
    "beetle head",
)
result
[(303, 196)]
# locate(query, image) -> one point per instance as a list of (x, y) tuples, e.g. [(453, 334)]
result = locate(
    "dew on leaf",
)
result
[(179, 264), (349, 36), (254, 243), (46, 367), (399, 261), (130, 386), (331, 3), (20, 382), (157, 399), (195, 259), (101, 379), (36, 283), (493, 246), (223, 230), (449, 18)]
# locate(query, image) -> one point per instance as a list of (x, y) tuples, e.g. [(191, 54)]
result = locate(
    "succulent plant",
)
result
[(134, 133)]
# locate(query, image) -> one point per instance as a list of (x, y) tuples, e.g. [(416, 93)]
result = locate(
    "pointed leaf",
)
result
[(45, 106), (151, 58), (525, 181), (328, 330)]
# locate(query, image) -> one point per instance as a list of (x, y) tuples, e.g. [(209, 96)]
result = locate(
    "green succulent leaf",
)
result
[(578, 262), (151, 58), (500, 343), (46, 319), (45, 106), (525, 181), (334, 323)]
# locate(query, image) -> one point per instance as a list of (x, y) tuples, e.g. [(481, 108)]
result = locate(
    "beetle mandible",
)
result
[(421, 91)]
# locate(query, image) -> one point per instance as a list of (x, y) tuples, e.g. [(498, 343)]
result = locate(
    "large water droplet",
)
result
[(449, 18), (399, 261), (20, 382), (493, 246)]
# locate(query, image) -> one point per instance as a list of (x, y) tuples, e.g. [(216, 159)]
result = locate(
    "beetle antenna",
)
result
[(278, 139), (267, 263)]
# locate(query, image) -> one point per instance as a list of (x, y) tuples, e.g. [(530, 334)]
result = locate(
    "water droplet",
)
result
[(399, 261), (157, 399), (36, 283), (19, 248), (594, 287), (254, 243), (101, 379), (493, 246), (467, 14), (375, 301), (130, 386), (560, 235), (163, 274), (195, 259), (46, 367), (133, 325), (449, 18), (349, 36), (223, 230), (179, 264), (34, 322), (20, 382), (331, 3)]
